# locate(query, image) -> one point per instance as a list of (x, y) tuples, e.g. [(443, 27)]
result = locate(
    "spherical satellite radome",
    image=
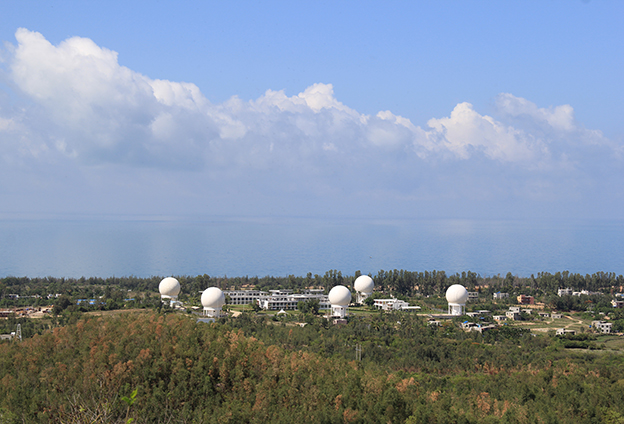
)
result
[(213, 297), (169, 287), (457, 294), (364, 284), (340, 295)]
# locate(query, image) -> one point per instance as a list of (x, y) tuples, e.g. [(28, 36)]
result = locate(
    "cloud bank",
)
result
[(82, 132)]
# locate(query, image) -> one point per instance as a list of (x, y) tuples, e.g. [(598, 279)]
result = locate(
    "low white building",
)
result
[(390, 304), (287, 300), (586, 293), (479, 313), (473, 296), (512, 315), (500, 296), (564, 292), (617, 303), (479, 328)]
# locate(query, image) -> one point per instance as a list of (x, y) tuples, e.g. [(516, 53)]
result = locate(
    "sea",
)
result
[(238, 247)]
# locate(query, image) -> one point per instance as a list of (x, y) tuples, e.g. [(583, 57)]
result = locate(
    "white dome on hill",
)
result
[(169, 287), (340, 295), (364, 284), (213, 297), (457, 294)]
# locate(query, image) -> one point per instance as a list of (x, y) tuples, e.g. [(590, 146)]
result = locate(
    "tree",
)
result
[(311, 306), (255, 306), (61, 304)]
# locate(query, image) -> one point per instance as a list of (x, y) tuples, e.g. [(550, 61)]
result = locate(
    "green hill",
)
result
[(251, 371)]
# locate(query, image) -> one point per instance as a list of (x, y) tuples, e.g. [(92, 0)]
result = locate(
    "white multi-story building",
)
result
[(603, 327), (244, 297), (564, 292), (499, 296), (286, 299)]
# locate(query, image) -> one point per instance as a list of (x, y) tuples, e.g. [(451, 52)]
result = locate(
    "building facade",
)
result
[(526, 300)]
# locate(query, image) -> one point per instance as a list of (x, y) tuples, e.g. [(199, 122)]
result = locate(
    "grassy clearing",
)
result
[(612, 342)]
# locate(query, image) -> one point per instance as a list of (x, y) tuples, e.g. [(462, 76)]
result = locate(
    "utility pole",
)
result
[(18, 332), (358, 352)]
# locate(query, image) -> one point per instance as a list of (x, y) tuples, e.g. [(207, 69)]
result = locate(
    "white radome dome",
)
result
[(213, 297), (169, 287), (364, 284), (340, 295), (457, 294)]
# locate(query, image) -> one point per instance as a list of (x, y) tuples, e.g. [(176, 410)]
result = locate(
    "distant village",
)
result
[(337, 302), (364, 296)]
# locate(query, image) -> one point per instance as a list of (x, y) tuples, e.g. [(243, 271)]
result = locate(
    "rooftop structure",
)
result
[(456, 296), (169, 289), (364, 286), (339, 298), (212, 300)]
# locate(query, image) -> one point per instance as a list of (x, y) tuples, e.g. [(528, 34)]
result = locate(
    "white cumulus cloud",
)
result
[(86, 109)]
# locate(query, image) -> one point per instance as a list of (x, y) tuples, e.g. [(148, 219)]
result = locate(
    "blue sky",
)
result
[(475, 109)]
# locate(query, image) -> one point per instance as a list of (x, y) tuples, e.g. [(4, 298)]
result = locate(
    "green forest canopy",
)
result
[(251, 369)]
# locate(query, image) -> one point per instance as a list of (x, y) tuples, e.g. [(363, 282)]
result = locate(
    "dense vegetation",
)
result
[(254, 369), (407, 283), (164, 367)]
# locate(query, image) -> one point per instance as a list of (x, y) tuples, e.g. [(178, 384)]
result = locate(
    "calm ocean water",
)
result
[(280, 247)]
